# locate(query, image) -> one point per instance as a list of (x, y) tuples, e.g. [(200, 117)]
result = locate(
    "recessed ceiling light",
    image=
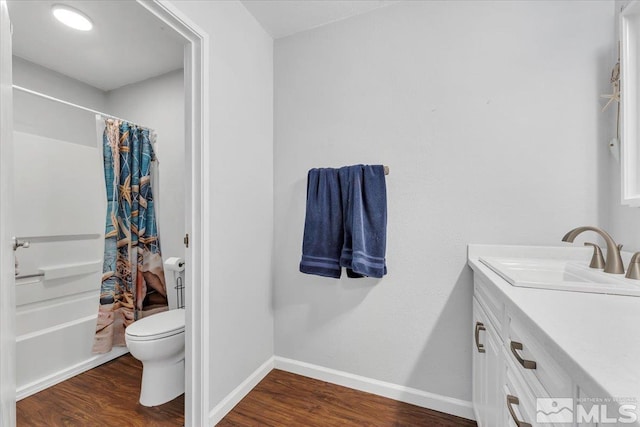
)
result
[(71, 17)]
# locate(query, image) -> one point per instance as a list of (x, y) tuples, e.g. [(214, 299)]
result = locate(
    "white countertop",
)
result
[(595, 337)]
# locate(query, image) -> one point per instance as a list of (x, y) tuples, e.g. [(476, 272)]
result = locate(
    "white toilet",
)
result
[(158, 342)]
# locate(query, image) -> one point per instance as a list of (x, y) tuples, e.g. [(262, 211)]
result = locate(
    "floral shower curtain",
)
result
[(133, 284)]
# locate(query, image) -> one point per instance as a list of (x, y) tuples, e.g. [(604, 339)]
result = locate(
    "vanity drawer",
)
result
[(518, 403), (523, 403), (488, 298), (533, 362)]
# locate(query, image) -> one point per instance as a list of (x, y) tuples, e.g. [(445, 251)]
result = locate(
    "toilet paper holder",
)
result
[(176, 266), (179, 292)]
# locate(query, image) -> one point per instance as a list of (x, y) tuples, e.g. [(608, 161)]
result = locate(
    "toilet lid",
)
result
[(157, 325)]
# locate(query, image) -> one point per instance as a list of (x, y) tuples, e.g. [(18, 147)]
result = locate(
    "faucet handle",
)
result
[(633, 271), (597, 260)]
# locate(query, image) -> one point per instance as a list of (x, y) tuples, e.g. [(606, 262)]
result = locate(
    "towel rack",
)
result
[(386, 170)]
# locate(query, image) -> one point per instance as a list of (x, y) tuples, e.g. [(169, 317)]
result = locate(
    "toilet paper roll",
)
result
[(174, 264)]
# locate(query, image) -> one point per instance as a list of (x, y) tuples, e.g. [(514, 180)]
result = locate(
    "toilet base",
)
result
[(161, 382)]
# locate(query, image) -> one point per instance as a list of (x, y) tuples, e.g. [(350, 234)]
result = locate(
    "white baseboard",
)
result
[(424, 399), (65, 374), (448, 405), (233, 398)]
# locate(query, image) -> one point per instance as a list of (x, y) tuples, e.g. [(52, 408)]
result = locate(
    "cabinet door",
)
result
[(494, 378), (479, 365), (487, 370)]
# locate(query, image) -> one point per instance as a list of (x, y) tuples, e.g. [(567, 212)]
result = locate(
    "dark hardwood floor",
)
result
[(108, 396), (284, 399), (104, 396)]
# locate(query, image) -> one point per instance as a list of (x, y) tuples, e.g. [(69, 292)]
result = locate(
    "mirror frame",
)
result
[(629, 98)]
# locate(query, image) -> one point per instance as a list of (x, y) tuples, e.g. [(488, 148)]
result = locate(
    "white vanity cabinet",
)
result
[(487, 370), (511, 369), (571, 354)]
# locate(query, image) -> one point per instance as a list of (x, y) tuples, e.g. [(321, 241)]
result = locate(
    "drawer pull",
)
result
[(512, 400), (526, 364), (479, 327)]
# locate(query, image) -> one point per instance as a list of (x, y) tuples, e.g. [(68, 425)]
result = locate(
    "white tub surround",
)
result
[(58, 286), (584, 345)]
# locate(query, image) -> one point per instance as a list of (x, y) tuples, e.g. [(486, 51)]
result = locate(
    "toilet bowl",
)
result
[(158, 342)]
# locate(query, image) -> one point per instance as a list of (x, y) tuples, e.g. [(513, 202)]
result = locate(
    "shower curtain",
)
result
[(133, 283)]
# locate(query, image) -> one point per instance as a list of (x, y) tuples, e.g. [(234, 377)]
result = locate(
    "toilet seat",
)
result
[(156, 326)]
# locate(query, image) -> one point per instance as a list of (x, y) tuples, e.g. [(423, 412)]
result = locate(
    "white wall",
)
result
[(487, 114), (158, 103), (41, 79), (52, 119), (241, 168)]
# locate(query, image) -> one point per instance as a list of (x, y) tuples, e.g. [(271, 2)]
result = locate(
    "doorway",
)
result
[(194, 132)]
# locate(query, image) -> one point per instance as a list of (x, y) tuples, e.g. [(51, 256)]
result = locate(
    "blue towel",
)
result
[(364, 201), (323, 226), (346, 221)]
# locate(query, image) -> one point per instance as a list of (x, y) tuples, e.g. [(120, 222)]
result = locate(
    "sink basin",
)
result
[(561, 275)]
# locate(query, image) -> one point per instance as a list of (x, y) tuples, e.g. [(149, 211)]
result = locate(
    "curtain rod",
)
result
[(71, 104)]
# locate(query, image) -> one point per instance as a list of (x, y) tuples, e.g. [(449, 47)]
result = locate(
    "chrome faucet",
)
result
[(613, 264)]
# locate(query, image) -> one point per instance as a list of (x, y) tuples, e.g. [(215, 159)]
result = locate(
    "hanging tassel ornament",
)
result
[(615, 82), (614, 143)]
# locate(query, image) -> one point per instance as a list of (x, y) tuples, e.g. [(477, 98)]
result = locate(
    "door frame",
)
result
[(197, 225), (197, 203), (7, 259)]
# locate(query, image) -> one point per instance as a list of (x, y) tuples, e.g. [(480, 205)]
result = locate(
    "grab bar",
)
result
[(27, 276), (65, 270)]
